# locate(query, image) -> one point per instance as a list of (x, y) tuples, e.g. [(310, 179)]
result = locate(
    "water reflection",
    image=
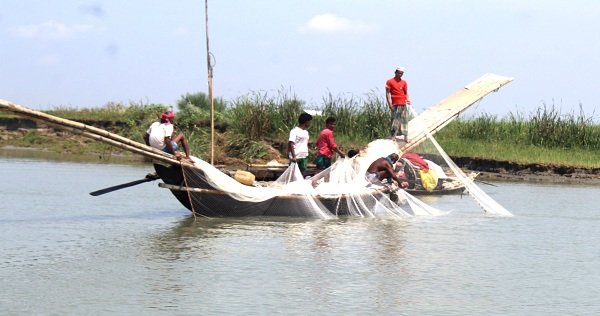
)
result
[(192, 235), (199, 236), (105, 157), (311, 255), (137, 252)]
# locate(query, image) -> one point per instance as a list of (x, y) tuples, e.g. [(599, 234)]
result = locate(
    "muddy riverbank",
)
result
[(510, 171), (488, 169), (13, 130)]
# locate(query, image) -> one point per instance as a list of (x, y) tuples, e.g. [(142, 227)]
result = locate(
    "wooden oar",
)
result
[(485, 182), (149, 177)]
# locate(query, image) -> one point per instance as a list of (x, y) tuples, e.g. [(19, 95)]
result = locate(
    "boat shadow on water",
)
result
[(209, 237)]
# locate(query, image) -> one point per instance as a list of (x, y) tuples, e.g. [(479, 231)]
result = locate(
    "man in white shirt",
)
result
[(159, 135), (298, 142)]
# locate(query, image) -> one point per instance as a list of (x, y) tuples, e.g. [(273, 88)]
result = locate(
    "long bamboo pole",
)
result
[(120, 145), (90, 132), (210, 89)]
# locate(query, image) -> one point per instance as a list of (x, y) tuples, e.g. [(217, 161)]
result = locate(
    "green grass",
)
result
[(131, 114), (521, 154), (250, 124), (546, 137)]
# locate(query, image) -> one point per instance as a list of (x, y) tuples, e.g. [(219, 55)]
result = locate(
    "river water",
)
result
[(137, 251)]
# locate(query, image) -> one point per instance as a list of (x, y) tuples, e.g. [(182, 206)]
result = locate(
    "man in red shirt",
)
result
[(396, 93), (326, 145)]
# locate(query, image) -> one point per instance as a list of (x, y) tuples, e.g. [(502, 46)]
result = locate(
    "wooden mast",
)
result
[(210, 88)]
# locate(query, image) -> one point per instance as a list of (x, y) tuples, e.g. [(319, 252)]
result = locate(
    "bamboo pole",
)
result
[(121, 145), (209, 67), (19, 109), (90, 132)]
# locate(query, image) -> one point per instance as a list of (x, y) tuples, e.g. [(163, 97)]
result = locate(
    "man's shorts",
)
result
[(302, 164), (174, 144), (322, 162)]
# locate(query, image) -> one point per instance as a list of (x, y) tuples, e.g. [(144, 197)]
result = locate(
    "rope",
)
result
[(189, 195)]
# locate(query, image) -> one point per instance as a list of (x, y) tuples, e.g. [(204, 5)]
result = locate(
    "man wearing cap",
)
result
[(159, 135), (396, 93)]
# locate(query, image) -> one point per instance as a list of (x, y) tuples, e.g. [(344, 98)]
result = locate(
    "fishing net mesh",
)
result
[(341, 189)]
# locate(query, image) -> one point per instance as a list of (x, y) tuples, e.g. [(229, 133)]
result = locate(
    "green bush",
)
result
[(259, 115), (194, 110), (32, 138)]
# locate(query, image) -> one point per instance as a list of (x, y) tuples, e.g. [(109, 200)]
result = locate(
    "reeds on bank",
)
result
[(545, 136), (250, 126), (546, 127), (260, 115)]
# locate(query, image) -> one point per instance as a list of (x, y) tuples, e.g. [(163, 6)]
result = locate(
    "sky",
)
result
[(72, 53)]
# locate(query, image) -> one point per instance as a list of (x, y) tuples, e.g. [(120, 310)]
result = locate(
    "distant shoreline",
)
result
[(488, 169)]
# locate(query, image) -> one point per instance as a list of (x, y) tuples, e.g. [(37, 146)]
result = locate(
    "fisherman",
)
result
[(159, 135), (383, 168), (298, 142), (396, 95), (326, 145)]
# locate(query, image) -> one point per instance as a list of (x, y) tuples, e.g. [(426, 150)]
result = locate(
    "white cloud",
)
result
[(331, 23), (51, 30)]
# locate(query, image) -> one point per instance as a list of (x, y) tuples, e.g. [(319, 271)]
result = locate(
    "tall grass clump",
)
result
[(131, 114), (259, 115), (546, 127), (375, 116), (194, 110), (485, 127), (361, 120)]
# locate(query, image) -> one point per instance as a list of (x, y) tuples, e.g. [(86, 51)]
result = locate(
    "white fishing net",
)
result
[(341, 189), (454, 176)]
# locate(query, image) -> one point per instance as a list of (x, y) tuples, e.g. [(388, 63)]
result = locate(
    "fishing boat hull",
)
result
[(205, 200)]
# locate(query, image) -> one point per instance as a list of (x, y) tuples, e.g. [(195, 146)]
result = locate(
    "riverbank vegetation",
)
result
[(254, 128)]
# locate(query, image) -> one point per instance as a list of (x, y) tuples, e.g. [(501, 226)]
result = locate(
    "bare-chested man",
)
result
[(383, 168)]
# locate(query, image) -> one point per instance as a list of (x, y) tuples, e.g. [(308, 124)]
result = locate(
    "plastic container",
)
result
[(244, 177)]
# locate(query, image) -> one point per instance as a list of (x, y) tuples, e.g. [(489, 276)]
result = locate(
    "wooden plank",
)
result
[(441, 114)]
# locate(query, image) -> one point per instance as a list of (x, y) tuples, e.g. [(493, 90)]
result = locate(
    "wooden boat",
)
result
[(207, 191), (203, 198)]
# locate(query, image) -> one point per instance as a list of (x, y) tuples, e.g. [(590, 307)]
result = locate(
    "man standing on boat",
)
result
[(326, 145), (159, 135), (298, 142), (396, 93)]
